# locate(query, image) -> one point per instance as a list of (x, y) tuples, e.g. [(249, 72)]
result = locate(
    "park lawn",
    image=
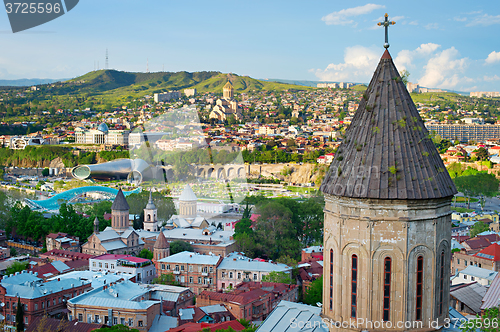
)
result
[(460, 199), (462, 210)]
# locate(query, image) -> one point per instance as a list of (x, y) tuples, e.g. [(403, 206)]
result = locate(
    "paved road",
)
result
[(492, 204)]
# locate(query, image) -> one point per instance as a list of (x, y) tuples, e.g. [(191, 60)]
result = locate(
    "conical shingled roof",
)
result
[(387, 152), (120, 203), (161, 242)]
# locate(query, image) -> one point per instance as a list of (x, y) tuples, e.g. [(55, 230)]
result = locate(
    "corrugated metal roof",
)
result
[(186, 314), (238, 262), (213, 308), (286, 316), (187, 257), (492, 297), (471, 295), (387, 152), (479, 272)]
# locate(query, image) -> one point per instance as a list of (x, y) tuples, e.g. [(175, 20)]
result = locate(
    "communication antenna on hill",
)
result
[(106, 64), (147, 65), (97, 64)]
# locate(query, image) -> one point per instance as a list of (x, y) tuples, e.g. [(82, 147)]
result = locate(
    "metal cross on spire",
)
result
[(386, 24)]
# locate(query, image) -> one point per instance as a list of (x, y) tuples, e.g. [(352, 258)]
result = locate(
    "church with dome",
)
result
[(120, 238), (188, 216), (226, 106)]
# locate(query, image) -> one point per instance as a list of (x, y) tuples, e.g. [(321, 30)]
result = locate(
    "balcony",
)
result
[(205, 274), (177, 272)]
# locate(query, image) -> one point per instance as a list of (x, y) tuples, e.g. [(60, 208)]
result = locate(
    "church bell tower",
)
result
[(387, 227)]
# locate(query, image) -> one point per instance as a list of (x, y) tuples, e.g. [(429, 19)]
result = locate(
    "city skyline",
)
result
[(442, 45)]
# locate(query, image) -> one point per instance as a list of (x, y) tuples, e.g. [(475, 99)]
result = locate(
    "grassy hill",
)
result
[(117, 87)]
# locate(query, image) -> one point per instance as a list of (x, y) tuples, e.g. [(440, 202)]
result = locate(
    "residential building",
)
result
[(474, 274), (465, 132), (62, 241), (122, 302), (167, 96), (196, 327), (143, 269), (210, 314), (64, 256), (193, 270), (311, 252), (487, 94), (174, 298), (38, 298), (236, 268), (467, 298), (190, 92), (251, 300), (492, 297), (488, 258), (51, 324)]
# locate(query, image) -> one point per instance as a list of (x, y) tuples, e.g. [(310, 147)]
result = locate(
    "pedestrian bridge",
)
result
[(72, 195)]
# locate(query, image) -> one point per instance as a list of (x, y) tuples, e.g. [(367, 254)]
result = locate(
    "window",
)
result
[(112, 266), (115, 320), (190, 280), (93, 264), (230, 275), (163, 266), (26, 320), (54, 301), (441, 284), (168, 266), (465, 262), (223, 274), (239, 275), (354, 285), (190, 268), (80, 317), (100, 264), (139, 323), (59, 300), (182, 279), (48, 303), (7, 305), (479, 264), (255, 276), (465, 276), (182, 267), (96, 318), (106, 265), (211, 269), (387, 287), (130, 322), (36, 306), (122, 321), (8, 317), (472, 278), (199, 280), (458, 261), (331, 279), (420, 279), (177, 268)]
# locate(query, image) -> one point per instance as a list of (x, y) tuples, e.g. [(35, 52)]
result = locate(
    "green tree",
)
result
[(45, 172), (488, 322), (16, 267), (116, 328), (478, 228), (19, 316), (479, 184), (279, 277), (179, 246), (166, 279), (145, 253), (482, 154), (314, 293), (405, 75)]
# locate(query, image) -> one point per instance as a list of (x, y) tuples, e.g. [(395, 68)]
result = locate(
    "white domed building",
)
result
[(101, 135), (188, 215)]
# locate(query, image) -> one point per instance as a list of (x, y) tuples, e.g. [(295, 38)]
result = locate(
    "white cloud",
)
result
[(484, 20), (358, 66), (431, 26), (442, 70), (460, 19), (343, 17), (413, 23), (405, 57), (491, 78), (493, 57)]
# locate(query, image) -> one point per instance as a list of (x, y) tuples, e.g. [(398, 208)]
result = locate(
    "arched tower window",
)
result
[(331, 279), (441, 283), (354, 285), (420, 276), (387, 287)]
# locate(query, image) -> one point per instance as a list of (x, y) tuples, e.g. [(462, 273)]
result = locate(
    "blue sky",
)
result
[(443, 44)]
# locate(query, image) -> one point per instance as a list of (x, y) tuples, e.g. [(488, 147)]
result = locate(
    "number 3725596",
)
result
[(32, 8)]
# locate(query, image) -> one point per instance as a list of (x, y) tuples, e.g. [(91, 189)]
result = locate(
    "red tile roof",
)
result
[(491, 253), (67, 254), (477, 243), (241, 298)]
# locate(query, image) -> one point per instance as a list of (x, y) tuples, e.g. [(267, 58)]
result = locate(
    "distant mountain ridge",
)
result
[(30, 81)]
